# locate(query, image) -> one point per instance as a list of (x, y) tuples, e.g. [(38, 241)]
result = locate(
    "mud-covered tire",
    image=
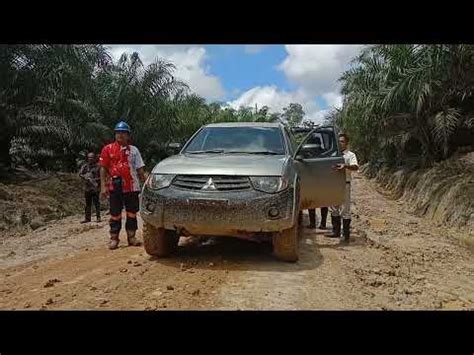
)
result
[(300, 218), (159, 241), (285, 243)]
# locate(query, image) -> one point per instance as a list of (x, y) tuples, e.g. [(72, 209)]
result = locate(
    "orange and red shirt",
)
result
[(123, 161)]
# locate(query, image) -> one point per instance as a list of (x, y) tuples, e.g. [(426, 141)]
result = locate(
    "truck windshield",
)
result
[(251, 140)]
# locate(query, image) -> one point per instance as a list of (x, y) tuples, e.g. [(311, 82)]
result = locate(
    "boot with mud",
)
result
[(312, 218), (346, 231), (336, 227), (114, 242), (132, 240)]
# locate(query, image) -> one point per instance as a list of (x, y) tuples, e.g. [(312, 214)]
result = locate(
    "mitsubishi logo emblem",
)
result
[(209, 185)]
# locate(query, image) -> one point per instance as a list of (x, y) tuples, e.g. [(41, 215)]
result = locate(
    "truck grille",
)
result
[(221, 183)]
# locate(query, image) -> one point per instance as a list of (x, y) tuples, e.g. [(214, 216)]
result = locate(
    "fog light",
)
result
[(150, 206), (273, 212)]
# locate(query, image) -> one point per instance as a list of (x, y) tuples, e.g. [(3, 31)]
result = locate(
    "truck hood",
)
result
[(223, 164)]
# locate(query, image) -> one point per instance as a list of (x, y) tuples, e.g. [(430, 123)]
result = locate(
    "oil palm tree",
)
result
[(401, 98)]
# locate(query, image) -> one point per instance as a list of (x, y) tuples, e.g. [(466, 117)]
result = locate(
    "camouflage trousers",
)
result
[(343, 210)]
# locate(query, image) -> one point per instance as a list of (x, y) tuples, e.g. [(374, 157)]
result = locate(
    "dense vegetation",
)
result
[(409, 103), (402, 103), (59, 101)]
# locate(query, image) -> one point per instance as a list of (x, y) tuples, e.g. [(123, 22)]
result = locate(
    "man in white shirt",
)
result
[(350, 164)]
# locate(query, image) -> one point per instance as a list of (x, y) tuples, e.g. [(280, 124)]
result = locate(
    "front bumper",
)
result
[(217, 213)]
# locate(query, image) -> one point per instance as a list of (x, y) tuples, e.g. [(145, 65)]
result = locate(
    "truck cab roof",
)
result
[(244, 124)]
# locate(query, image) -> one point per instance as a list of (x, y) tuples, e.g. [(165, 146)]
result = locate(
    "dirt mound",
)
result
[(443, 193), (28, 201)]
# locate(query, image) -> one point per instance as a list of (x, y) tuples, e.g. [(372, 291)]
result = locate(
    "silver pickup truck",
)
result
[(247, 180)]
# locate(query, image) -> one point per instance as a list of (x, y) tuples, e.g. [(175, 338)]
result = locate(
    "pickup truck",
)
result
[(244, 180)]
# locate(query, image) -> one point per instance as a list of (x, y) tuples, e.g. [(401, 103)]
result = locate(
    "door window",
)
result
[(320, 143)]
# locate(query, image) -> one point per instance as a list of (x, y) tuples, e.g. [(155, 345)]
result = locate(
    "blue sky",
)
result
[(240, 71), (271, 75)]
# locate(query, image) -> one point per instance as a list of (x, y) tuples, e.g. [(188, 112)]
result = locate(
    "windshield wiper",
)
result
[(264, 152), (217, 151)]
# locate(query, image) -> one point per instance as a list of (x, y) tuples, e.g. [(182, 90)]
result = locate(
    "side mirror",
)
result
[(308, 151), (174, 147)]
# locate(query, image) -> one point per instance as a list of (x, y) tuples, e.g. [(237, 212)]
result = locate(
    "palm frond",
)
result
[(445, 124)]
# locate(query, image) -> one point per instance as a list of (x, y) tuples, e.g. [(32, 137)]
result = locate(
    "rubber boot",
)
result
[(336, 227), (324, 217), (114, 242), (346, 231), (132, 240), (312, 218)]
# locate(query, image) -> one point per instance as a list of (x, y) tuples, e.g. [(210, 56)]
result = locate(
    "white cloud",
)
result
[(267, 96), (316, 68), (190, 62), (318, 117), (333, 99), (276, 100), (253, 48)]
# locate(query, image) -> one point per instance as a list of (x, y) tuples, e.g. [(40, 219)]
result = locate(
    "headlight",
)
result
[(269, 184), (159, 181)]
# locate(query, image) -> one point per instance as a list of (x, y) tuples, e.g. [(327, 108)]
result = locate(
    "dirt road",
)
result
[(396, 261)]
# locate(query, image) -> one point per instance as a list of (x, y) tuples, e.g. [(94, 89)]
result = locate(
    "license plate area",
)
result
[(207, 202)]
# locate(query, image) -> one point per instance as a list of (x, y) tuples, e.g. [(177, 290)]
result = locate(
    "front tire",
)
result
[(159, 241), (285, 243)]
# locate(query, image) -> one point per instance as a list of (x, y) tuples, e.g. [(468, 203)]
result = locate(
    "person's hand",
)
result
[(339, 167), (104, 192)]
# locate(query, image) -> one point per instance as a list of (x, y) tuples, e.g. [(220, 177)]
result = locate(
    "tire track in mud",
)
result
[(395, 261), (317, 281)]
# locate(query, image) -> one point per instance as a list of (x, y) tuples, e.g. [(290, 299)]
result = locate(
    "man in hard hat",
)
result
[(350, 164), (90, 173), (120, 174)]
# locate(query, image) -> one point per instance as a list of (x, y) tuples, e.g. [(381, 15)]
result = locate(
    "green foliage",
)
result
[(59, 101), (408, 102), (293, 114)]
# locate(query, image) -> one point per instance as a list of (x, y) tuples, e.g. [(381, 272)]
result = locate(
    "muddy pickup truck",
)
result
[(244, 180)]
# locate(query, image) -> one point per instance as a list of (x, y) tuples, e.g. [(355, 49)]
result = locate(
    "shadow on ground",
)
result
[(229, 253), (235, 254)]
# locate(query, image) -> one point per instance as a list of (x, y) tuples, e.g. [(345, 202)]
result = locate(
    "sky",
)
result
[(249, 75)]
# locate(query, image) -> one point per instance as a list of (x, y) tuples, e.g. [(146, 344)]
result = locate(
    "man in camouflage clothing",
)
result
[(90, 173)]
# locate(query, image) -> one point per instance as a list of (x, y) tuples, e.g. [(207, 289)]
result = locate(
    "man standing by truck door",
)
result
[(350, 164), (120, 173)]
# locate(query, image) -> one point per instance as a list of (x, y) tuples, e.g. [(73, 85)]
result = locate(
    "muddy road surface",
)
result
[(395, 261)]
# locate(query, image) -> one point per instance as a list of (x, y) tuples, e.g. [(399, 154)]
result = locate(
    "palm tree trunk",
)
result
[(5, 158), (6, 137)]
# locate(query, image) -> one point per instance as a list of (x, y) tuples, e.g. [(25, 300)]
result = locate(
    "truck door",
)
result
[(320, 184)]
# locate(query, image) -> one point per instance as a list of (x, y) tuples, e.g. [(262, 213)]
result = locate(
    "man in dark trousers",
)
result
[(90, 173), (312, 218), (121, 174)]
